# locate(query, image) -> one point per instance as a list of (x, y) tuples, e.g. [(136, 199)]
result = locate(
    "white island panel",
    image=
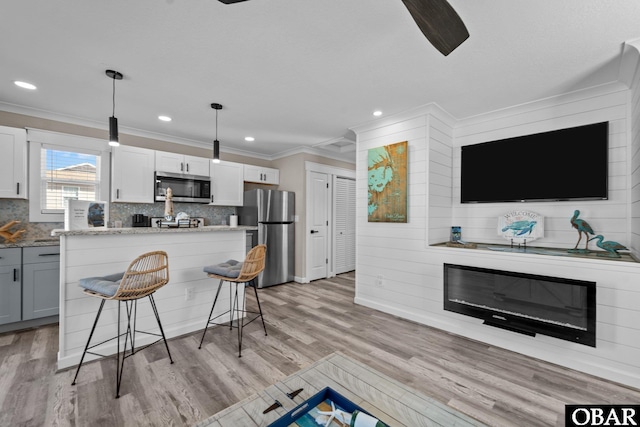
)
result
[(97, 254)]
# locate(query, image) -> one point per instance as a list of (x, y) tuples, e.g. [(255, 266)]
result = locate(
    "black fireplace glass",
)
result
[(531, 304)]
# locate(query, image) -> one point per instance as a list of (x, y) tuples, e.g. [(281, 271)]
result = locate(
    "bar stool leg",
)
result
[(211, 312), (88, 342), (155, 311), (232, 307), (118, 376), (255, 290), (241, 320)]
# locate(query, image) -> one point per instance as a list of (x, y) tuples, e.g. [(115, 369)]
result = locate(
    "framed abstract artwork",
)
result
[(387, 183)]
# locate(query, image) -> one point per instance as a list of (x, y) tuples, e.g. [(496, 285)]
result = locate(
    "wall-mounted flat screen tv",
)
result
[(565, 164)]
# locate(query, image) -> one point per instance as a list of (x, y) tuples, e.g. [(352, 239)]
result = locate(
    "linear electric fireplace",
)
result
[(524, 303)]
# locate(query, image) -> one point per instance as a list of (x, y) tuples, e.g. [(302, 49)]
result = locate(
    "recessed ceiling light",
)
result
[(249, 138), (25, 85), (164, 118), (377, 113)]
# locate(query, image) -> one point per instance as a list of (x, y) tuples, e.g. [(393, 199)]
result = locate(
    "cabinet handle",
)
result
[(181, 167), (117, 193), (212, 198), (187, 167), (15, 274), (17, 188), (49, 254)]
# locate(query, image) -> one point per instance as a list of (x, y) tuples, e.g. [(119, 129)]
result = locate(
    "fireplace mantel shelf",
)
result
[(596, 255)]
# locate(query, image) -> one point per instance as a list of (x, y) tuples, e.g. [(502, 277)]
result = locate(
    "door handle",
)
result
[(314, 231)]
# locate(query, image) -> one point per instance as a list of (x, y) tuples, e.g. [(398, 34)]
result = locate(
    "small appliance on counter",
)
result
[(177, 222), (139, 220)]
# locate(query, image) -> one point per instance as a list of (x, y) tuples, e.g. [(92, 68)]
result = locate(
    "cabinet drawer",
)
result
[(38, 254), (10, 256)]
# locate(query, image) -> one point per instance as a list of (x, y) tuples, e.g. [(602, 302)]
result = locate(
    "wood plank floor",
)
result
[(305, 323)]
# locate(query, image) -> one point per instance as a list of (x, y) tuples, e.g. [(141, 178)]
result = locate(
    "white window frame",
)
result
[(38, 139)]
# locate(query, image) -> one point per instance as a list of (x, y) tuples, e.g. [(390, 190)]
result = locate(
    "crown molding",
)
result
[(427, 109), (67, 119)]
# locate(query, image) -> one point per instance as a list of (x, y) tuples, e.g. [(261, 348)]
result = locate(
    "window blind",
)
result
[(67, 175)]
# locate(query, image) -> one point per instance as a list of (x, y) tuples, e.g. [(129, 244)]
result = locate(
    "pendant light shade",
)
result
[(216, 151), (113, 131), (113, 121), (216, 143)]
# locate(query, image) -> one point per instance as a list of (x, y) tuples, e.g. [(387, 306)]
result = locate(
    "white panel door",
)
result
[(197, 165), (132, 174), (13, 163), (344, 202), (227, 184), (169, 162), (317, 225)]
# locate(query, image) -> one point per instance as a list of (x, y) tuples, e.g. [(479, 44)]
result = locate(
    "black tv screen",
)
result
[(565, 164)]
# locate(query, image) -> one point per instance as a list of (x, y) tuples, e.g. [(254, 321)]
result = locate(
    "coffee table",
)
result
[(385, 398)]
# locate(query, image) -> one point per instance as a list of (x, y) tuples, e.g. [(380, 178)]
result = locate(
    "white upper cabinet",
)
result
[(227, 184), (132, 174), (13, 163), (180, 163), (261, 175)]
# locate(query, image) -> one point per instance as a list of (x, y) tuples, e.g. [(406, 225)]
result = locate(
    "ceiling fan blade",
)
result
[(439, 22), (230, 1)]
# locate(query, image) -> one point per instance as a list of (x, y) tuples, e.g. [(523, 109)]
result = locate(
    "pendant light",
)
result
[(216, 143), (113, 121)]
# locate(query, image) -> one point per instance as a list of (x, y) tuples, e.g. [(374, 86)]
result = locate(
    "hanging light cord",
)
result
[(216, 125), (114, 96)]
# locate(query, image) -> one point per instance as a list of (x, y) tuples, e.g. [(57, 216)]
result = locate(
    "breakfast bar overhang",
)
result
[(183, 304)]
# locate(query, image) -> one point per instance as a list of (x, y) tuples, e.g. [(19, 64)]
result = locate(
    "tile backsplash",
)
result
[(16, 209)]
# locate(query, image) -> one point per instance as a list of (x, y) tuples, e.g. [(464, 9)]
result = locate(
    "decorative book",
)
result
[(84, 214)]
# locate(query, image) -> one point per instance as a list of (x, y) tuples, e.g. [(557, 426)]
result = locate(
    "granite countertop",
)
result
[(148, 230), (53, 241)]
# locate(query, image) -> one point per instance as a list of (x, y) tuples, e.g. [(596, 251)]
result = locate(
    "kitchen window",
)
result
[(64, 167)]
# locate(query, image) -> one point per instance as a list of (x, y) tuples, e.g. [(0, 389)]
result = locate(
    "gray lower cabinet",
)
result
[(40, 281), (29, 283), (10, 289)]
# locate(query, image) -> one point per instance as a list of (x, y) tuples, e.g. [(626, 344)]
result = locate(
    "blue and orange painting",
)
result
[(387, 183)]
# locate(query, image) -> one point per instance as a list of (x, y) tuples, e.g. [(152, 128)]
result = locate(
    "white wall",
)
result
[(634, 126), (399, 273), (610, 217), (188, 252)]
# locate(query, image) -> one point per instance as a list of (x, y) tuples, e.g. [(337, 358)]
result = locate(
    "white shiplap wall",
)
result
[(634, 127), (610, 217), (399, 273), (91, 256)]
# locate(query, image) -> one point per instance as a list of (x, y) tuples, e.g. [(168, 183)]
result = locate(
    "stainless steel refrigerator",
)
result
[(272, 212)]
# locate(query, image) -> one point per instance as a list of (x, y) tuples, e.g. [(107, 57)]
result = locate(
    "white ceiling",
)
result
[(294, 73)]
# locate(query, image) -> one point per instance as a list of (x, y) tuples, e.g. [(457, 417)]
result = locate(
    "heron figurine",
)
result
[(611, 247), (583, 227)]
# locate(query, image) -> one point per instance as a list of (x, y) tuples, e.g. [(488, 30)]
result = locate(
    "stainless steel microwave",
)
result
[(185, 188)]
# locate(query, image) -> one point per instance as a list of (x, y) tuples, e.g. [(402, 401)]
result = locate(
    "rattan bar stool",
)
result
[(238, 273), (145, 275)]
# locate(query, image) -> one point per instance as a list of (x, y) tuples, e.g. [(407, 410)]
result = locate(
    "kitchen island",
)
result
[(183, 304)]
